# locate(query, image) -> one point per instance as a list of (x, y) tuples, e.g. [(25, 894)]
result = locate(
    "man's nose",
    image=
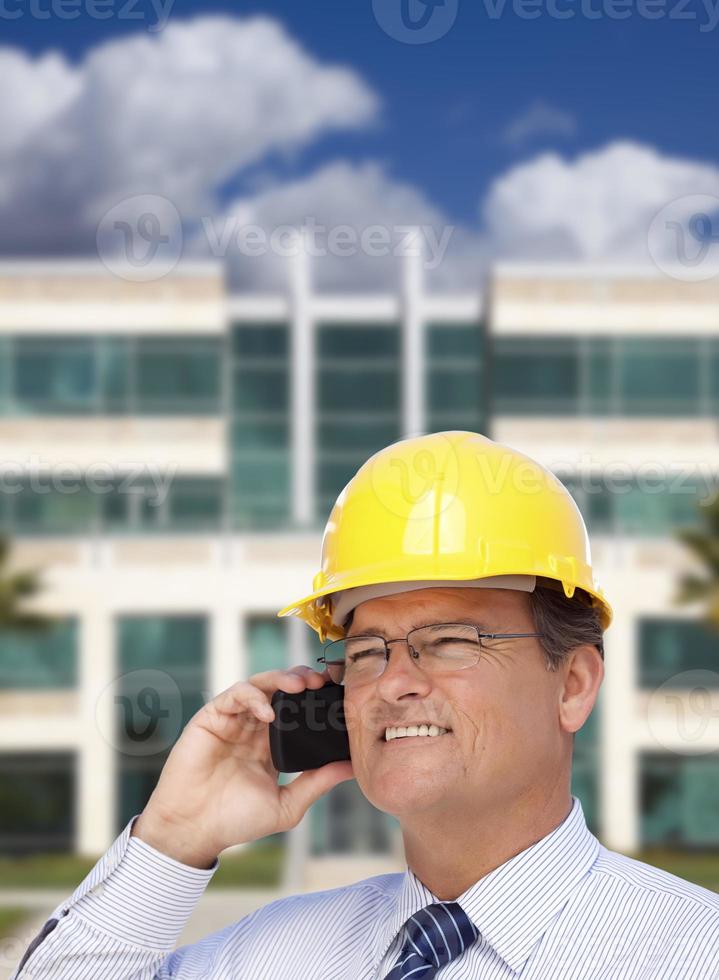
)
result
[(402, 672)]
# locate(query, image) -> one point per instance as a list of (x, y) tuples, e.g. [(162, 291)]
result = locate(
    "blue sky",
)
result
[(447, 103), (534, 137)]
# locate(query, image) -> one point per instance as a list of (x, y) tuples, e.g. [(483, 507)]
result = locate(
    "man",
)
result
[(457, 585)]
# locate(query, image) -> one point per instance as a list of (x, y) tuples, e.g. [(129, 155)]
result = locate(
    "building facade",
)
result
[(169, 454)]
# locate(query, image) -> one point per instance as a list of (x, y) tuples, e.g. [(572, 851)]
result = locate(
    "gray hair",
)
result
[(565, 623)]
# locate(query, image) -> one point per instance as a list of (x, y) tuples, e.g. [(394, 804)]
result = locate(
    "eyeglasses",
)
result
[(356, 660)]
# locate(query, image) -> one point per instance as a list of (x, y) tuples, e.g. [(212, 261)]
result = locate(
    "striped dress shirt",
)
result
[(565, 908)]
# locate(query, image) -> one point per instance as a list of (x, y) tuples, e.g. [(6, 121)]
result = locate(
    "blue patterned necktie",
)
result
[(436, 935)]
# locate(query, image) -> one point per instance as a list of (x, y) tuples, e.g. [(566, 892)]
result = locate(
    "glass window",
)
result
[(178, 376), (188, 504), (107, 374), (260, 426), (679, 800), (37, 802), (336, 341), (40, 658), (621, 505), (324, 505), (454, 377), (116, 510), (536, 375), (269, 473), (359, 432), (644, 511), (658, 376), (668, 647), (358, 410), (55, 375), (598, 510), (627, 375), (6, 362), (162, 642), (266, 644), (599, 397), (260, 341), (196, 504), (355, 388), (260, 389), (335, 473), (714, 376), (455, 341), (153, 707), (52, 511), (252, 434), (454, 391), (116, 365)]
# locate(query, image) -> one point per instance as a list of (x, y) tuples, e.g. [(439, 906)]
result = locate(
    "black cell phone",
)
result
[(308, 729)]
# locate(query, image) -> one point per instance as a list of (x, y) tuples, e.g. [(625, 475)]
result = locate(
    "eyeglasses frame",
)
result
[(410, 649)]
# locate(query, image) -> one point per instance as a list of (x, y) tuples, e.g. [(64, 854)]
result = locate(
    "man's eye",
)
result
[(355, 655), (453, 646)]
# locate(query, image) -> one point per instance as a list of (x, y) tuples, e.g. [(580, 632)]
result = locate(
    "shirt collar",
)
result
[(513, 905)]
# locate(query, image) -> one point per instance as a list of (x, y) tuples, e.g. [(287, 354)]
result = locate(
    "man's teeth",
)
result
[(422, 730)]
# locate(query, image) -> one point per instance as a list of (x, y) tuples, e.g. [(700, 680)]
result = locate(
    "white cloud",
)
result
[(182, 112), (359, 196), (598, 206), (176, 114), (539, 119), (40, 89)]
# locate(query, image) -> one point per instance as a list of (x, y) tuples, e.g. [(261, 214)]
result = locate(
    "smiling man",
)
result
[(466, 628), (508, 722)]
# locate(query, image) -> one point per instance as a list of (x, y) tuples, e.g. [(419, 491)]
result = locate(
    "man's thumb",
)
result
[(299, 795)]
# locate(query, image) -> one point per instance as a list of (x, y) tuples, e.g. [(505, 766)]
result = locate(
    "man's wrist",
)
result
[(173, 839)]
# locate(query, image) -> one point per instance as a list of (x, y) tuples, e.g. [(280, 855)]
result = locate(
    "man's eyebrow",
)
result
[(464, 621)]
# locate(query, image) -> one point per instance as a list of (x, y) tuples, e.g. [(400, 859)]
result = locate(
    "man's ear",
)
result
[(583, 676)]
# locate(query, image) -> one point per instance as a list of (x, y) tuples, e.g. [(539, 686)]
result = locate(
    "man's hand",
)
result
[(219, 787)]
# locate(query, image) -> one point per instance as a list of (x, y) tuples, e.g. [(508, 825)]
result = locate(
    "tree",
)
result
[(15, 587), (703, 542)]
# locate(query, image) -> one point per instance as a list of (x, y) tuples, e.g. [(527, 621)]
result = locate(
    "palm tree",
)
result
[(15, 587), (703, 541)]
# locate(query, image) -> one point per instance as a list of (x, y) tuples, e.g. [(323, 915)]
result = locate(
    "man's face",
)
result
[(503, 713)]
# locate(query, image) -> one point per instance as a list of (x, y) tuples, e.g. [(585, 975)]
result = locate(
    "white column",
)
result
[(412, 367), (224, 652), (97, 755), (302, 385), (618, 753)]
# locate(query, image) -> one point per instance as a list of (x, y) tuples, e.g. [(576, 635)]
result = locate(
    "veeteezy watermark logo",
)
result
[(318, 241), (683, 238), (32, 473), (420, 484), (684, 710), (141, 238), (704, 12), (140, 713), (155, 13), (424, 21), (415, 21)]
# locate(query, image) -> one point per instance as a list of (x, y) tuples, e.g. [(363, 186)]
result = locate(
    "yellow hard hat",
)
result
[(449, 506)]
